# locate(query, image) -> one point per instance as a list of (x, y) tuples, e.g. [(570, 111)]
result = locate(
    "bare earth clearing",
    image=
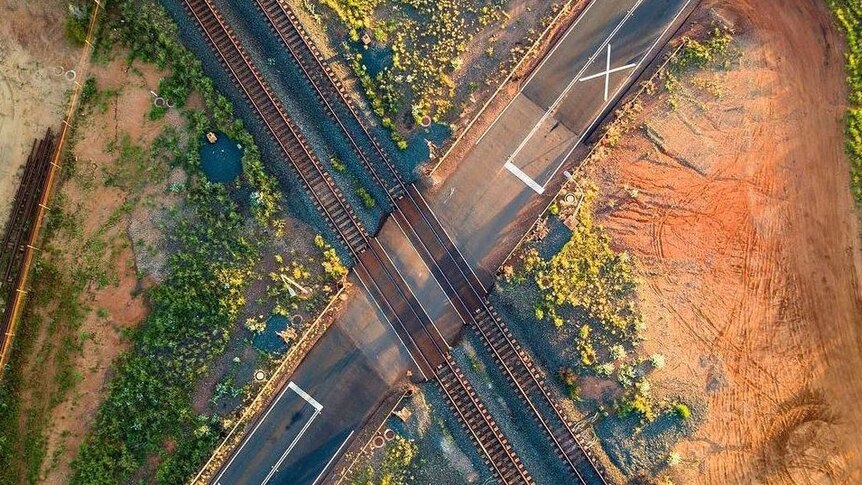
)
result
[(737, 206), (118, 305), (33, 49), (93, 203)]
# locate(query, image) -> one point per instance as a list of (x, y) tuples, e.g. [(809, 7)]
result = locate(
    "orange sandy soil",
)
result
[(121, 305), (737, 206), (33, 56)]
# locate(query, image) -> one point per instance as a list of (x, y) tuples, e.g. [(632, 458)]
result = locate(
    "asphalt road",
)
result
[(346, 376), (483, 205), (500, 186)]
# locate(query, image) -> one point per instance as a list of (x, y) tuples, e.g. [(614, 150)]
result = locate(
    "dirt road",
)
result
[(737, 204)]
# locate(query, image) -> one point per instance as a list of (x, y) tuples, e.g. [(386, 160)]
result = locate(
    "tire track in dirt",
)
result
[(745, 233)]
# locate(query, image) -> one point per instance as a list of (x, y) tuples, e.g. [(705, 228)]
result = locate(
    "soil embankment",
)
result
[(733, 193)]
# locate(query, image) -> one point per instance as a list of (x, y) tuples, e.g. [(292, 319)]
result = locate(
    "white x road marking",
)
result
[(608, 71), (556, 104)]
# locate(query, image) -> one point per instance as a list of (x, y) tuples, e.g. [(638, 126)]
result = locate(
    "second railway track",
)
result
[(415, 217), (375, 270), (19, 230)]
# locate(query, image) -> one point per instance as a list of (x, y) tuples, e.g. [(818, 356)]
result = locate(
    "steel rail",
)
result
[(271, 9), (243, 72)]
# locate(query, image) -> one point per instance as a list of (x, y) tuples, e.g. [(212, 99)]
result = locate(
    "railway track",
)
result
[(19, 230), (460, 395), (325, 194), (459, 282), (374, 267), (331, 92)]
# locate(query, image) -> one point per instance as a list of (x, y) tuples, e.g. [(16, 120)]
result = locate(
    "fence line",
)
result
[(18, 295)]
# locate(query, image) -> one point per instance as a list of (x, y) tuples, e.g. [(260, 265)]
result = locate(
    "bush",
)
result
[(392, 470), (587, 274), (695, 54), (76, 29), (148, 401), (157, 113), (337, 164), (367, 200), (89, 91), (682, 410), (848, 14)]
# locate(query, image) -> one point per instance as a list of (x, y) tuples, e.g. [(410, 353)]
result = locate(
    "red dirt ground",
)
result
[(748, 243)]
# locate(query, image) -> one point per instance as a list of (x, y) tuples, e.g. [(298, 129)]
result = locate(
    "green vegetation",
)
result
[(589, 275), (94, 98), (23, 448), (696, 55), (425, 39), (366, 198), (72, 261), (77, 21), (570, 380), (282, 287), (361, 192), (337, 164), (589, 285), (332, 265), (848, 13), (393, 467), (149, 400), (147, 415), (715, 51), (682, 410), (151, 36)]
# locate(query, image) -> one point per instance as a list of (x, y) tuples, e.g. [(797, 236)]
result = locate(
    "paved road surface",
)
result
[(497, 188), (345, 377)]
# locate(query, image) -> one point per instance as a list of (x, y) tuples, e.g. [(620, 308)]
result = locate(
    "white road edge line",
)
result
[(646, 54), (230, 462), (524, 178), (290, 448), (333, 457), (538, 68)]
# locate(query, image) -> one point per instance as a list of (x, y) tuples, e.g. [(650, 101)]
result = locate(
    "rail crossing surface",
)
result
[(310, 424)]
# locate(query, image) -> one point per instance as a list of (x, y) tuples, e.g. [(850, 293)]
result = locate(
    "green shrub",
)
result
[(367, 200), (157, 113), (848, 14), (682, 410), (76, 29), (148, 401), (392, 470), (587, 274), (89, 91), (337, 164), (695, 54)]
